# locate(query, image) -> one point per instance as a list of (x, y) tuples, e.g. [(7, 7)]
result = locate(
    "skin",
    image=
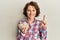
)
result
[(31, 13)]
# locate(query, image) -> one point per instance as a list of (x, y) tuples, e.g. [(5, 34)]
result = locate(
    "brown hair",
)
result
[(32, 3)]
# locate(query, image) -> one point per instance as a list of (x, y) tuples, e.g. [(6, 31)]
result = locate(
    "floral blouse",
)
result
[(35, 31)]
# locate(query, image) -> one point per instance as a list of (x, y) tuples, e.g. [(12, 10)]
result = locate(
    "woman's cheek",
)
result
[(34, 14), (28, 13)]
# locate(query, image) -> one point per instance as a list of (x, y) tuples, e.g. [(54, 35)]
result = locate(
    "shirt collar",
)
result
[(32, 22)]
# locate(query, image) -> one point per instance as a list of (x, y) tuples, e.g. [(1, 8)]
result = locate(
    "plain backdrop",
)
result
[(11, 12)]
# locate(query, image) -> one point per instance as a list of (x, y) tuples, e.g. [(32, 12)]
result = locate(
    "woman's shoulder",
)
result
[(22, 20), (38, 21)]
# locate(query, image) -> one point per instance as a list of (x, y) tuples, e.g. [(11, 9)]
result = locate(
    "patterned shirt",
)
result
[(35, 31)]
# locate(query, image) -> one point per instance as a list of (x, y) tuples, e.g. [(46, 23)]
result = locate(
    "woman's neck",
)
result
[(30, 20)]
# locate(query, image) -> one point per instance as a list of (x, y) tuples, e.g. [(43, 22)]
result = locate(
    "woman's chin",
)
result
[(31, 17)]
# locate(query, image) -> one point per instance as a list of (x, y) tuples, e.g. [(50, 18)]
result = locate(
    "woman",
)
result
[(30, 28)]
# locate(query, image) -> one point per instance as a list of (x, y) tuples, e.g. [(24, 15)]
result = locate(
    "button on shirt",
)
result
[(34, 32)]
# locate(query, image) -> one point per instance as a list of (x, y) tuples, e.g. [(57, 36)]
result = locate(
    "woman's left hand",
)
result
[(43, 22)]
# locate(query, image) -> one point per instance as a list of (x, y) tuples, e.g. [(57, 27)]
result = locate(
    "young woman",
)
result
[(30, 28)]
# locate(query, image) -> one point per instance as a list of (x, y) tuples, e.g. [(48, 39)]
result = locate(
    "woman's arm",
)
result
[(20, 35), (43, 31), (43, 34)]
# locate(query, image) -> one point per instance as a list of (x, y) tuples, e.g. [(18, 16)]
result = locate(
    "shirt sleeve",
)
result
[(20, 35), (43, 33)]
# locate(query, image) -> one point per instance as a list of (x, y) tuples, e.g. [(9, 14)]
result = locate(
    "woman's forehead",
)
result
[(31, 7)]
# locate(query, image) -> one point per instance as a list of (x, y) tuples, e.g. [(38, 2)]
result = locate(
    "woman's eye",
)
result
[(33, 10), (28, 10)]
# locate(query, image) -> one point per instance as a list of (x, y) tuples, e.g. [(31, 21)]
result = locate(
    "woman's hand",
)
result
[(43, 22), (24, 30), (23, 27)]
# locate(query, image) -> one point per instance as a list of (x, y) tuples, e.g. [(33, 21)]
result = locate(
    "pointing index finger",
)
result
[(44, 17)]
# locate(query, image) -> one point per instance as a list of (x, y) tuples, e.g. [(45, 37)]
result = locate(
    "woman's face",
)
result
[(31, 12)]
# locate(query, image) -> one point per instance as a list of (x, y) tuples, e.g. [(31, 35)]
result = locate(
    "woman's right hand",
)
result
[(23, 29)]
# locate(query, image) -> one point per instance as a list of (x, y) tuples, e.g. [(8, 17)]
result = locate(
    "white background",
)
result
[(11, 12)]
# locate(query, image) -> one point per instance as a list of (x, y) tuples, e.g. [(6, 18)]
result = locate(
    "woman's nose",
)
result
[(31, 12)]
